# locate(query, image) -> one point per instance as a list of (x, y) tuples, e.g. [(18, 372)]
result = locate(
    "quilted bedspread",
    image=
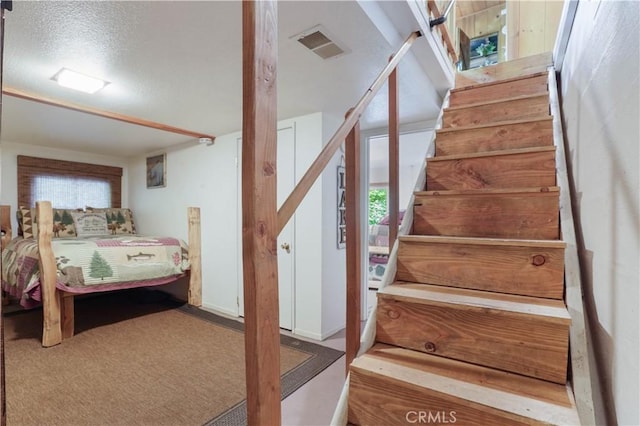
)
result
[(94, 264)]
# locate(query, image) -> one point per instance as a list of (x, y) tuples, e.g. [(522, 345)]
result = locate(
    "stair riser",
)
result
[(519, 109), (524, 216), (535, 169), (527, 271), (380, 400), (525, 344), (527, 86), (496, 138)]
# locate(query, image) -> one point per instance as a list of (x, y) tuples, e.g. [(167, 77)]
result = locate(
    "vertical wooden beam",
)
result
[(52, 316), (3, 396), (195, 258), (394, 158), (354, 243), (513, 30), (259, 211)]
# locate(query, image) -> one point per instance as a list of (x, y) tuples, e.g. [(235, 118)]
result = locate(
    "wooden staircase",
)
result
[(474, 328)]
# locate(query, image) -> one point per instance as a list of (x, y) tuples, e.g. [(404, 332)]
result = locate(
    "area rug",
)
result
[(139, 358)]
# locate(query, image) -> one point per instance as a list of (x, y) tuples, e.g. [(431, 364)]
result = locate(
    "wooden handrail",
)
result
[(433, 8), (9, 91), (302, 188)]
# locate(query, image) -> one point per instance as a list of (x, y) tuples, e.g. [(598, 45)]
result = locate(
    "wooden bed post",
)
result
[(5, 225), (51, 309), (195, 259), (259, 211)]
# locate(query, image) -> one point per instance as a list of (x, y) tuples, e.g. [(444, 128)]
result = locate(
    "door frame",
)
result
[(240, 282)]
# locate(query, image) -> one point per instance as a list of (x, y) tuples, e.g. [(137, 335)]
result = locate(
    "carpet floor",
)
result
[(139, 358)]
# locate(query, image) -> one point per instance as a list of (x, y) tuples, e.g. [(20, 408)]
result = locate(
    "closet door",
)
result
[(286, 247)]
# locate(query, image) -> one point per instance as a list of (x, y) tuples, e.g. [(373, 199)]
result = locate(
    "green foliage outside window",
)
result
[(377, 205)]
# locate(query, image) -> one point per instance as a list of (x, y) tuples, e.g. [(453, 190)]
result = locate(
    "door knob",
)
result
[(286, 247)]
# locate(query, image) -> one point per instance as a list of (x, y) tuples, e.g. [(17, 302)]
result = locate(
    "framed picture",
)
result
[(483, 46), (483, 51), (157, 171)]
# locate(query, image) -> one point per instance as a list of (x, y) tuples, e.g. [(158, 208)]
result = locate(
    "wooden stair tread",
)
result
[(492, 153), (503, 70), (480, 192), (470, 386), (493, 124), (499, 101), (553, 310), (493, 83), (482, 241)]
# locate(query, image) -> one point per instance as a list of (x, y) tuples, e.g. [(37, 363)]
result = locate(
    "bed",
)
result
[(59, 258)]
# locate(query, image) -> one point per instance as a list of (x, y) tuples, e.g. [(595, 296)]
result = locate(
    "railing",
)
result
[(350, 129), (260, 226), (260, 222), (440, 18)]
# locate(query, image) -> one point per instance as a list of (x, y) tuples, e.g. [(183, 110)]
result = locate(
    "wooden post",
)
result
[(3, 395), (354, 243), (51, 311), (394, 158), (195, 259), (259, 211)]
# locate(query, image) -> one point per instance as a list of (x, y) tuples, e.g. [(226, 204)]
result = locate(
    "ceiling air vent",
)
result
[(319, 42)]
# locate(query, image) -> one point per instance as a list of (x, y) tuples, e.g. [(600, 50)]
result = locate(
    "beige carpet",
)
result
[(138, 360)]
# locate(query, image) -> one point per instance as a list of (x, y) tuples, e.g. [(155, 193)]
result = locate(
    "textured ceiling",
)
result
[(179, 63)]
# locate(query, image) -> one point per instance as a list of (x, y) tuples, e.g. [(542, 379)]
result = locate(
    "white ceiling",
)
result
[(179, 63)]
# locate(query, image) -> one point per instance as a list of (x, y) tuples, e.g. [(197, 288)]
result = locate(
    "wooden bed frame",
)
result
[(57, 305)]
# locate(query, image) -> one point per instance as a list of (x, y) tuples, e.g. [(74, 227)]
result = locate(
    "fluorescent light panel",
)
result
[(77, 81)]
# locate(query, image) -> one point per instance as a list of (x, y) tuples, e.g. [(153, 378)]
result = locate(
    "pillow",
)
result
[(120, 221), (63, 225), (27, 222), (90, 224)]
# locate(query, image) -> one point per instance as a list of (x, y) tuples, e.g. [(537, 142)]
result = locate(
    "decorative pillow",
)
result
[(28, 224), (63, 226), (120, 221), (90, 224)]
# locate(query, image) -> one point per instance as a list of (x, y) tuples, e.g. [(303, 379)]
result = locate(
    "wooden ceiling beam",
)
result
[(9, 91)]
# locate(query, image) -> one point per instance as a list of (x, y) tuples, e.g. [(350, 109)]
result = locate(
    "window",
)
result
[(67, 184), (377, 204)]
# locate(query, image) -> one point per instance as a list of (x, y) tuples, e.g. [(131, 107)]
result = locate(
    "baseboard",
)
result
[(316, 336), (220, 310)]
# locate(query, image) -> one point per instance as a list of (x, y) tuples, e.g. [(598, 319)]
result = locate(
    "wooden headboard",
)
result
[(5, 225)]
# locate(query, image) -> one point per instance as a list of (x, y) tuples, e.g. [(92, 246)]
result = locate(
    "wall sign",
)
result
[(342, 209)]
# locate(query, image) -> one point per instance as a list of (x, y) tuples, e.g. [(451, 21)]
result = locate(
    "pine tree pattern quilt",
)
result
[(94, 264)]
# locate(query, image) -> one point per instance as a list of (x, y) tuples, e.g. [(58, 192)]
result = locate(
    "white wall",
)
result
[(9, 152), (206, 177), (334, 272), (198, 176), (413, 150), (600, 99)]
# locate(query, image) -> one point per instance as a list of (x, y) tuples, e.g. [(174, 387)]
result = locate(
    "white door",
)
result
[(286, 266)]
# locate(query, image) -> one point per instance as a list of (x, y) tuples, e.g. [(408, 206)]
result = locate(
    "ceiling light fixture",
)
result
[(77, 81)]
